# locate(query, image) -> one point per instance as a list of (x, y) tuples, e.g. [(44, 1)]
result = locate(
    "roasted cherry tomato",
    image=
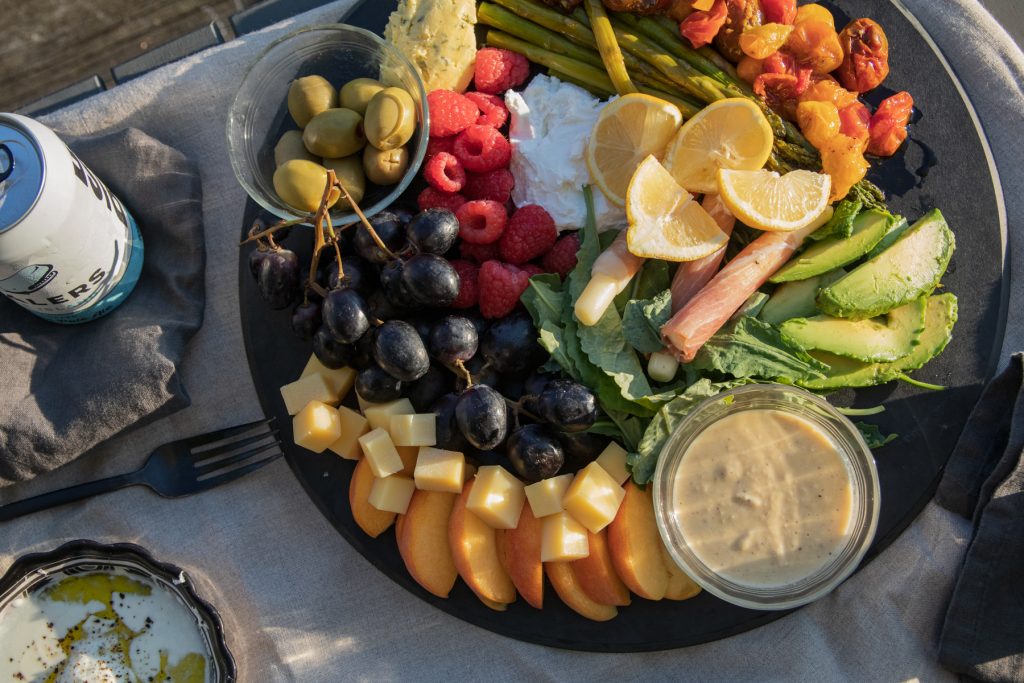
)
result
[(855, 118), (700, 28), (779, 11), (827, 89), (865, 56), (888, 128), (815, 44), (761, 41), (843, 160), (740, 16), (819, 121), (780, 91), (749, 68), (816, 12)]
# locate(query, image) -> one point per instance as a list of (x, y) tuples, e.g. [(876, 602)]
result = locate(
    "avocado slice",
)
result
[(796, 299), (912, 266), (874, 340), (869, 227), (940, 316), (894, 234)]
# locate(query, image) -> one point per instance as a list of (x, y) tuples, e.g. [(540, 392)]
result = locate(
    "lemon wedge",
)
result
[(731, 133), (769, 201), (627, 130), (665, 221)]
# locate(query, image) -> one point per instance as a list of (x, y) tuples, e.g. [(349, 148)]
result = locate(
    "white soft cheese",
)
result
[(551, 123)]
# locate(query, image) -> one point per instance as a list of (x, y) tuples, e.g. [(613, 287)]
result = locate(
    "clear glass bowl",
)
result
[(259, 114), (860, 466)]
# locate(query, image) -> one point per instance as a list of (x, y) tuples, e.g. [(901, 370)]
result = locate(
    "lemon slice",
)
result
[(768, 201), (665, 221), (731, 133), (627, 130)]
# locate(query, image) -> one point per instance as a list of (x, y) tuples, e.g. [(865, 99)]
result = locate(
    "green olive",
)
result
[(290, 147), (335, 133), (356, 94), (385, 167), (300, 184), (349, 172), (390, 119), (308, 96)]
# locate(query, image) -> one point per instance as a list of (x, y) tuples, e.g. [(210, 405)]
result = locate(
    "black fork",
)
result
[(176, 469)]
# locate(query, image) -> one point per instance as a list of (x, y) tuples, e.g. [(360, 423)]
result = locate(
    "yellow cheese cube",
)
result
[(545, 496), (353, 426), (379, 414), (316, 426), (439, 470), (391, 494), (380, 453), (309, 388), (593, 497), (613, 460), (563, 538), (340, 380), (497, 497), (414, 430)]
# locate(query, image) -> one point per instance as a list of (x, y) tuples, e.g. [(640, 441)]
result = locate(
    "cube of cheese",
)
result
[(545, 496), (439, 470), (392, 494), (379, 414), (380, 453), (316, 426), (414, 430), (563, 538), (593, 498), (340, 380), (613, 460), (309, 388), (353, 426), (497, 497)]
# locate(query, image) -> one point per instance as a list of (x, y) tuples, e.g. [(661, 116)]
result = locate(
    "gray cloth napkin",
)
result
[(66, 388), (983, 635)]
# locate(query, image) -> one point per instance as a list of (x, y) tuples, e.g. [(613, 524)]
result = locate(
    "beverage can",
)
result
[(70, 251)]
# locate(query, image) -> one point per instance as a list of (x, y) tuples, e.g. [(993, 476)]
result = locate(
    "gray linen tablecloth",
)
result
[(299, 604)]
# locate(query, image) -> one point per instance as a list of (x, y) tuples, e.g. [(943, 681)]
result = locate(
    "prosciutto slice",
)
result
[(691, 276)]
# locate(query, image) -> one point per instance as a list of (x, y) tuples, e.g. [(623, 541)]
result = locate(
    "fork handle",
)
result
[(52, 499)]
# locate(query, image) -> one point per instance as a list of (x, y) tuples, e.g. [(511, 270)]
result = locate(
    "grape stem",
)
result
[(268, 232), (464, 372), (359, 212)]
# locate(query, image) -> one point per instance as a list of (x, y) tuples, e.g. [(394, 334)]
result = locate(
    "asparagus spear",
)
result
[(589, 87), (611, 55), (581, 73)]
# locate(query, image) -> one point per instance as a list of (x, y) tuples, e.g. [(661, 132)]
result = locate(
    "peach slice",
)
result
[(680, 586), (474, 548), (519, 550), (566, 584), (596, 573), (371, 520), (635, 545), (408, 454), (496, 606), (422, 535)]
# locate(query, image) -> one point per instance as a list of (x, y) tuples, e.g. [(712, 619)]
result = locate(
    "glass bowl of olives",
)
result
[(328, 97)]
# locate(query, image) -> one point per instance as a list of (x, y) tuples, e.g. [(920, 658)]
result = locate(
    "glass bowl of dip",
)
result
[(767, 496), (102, 599), (258, 115)]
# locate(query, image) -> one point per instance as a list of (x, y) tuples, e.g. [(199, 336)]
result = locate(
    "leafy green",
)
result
[(753, 348), (873, 435), (643, 461), (545, 299), (841, 223), (652, 280), (606, 347), (643, 319)]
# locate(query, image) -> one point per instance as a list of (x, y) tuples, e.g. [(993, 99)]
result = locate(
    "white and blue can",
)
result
[(70, 251)]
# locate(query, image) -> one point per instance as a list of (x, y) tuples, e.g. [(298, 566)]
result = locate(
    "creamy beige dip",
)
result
[(763, 498)]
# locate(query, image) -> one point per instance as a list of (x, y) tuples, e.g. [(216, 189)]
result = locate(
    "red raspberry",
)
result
[(438, 145), (432, 198), (501, 285), (495, 185), (481, 221), (445, 173), (482, 148), (531, 232), (450, 113), (468, 277), (479, 253), (493, 112), (498, 70), (532, 269), (561, 258)]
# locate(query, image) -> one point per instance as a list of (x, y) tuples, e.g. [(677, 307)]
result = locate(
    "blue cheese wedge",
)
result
[(438, 37)]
